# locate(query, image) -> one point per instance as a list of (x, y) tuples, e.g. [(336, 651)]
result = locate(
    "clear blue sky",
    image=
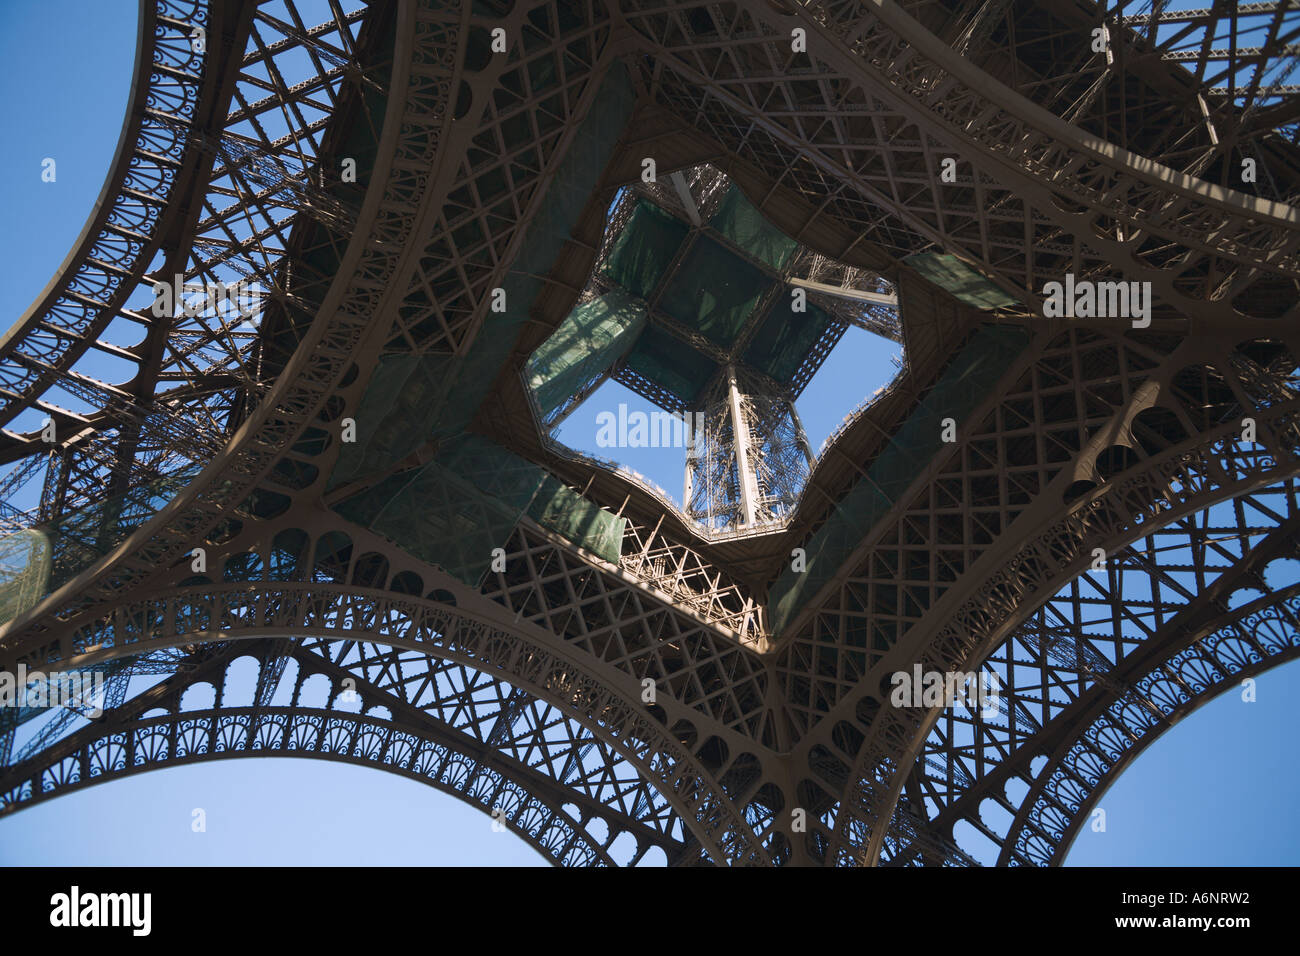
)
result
[(1221, 787)]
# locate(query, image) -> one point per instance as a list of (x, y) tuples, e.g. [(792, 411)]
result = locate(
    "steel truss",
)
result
[(527, 693), (749, 464)]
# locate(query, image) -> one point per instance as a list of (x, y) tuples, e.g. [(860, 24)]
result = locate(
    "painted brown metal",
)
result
[(1098, 437)]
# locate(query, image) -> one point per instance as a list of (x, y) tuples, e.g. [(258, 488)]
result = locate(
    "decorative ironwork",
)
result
[(682, 693)]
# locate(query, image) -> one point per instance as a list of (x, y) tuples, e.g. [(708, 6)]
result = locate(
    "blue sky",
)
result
[(1221, 787), (858, 365)]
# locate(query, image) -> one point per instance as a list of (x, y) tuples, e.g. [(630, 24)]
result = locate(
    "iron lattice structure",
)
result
[(520, 688), (746, 467), (749, 464)]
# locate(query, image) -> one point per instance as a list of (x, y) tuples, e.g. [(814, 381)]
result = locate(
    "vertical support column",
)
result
[(692, 457), (754, 459), (800, 436), (740, 441)]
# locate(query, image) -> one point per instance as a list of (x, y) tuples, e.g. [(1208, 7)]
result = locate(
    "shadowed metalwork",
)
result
[(355, 497)]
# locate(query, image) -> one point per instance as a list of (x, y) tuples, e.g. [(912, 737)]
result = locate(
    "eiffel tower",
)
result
[(439, 227)]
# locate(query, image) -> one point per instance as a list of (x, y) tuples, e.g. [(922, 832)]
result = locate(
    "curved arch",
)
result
[(1088, 648), (195, 377), (219, 613), (1065, 793), (168, 86), (215, 734), (373, 254), (1007, 579), (1080, 201), (1177, 482), (491, 723)]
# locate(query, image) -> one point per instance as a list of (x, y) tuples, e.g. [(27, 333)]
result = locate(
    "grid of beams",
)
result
[(528, 691)]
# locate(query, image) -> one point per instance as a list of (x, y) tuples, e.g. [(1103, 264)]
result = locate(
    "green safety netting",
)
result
[(714, 291), (546, 234), (396, 415), (36, 561), (456, 509), (364, 506), (963, 282), (561, 509), (24, 571), (785, 338), (448, 396), (960, 388), (675, 367), (590, 340), (738, 220), (643, 250)]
